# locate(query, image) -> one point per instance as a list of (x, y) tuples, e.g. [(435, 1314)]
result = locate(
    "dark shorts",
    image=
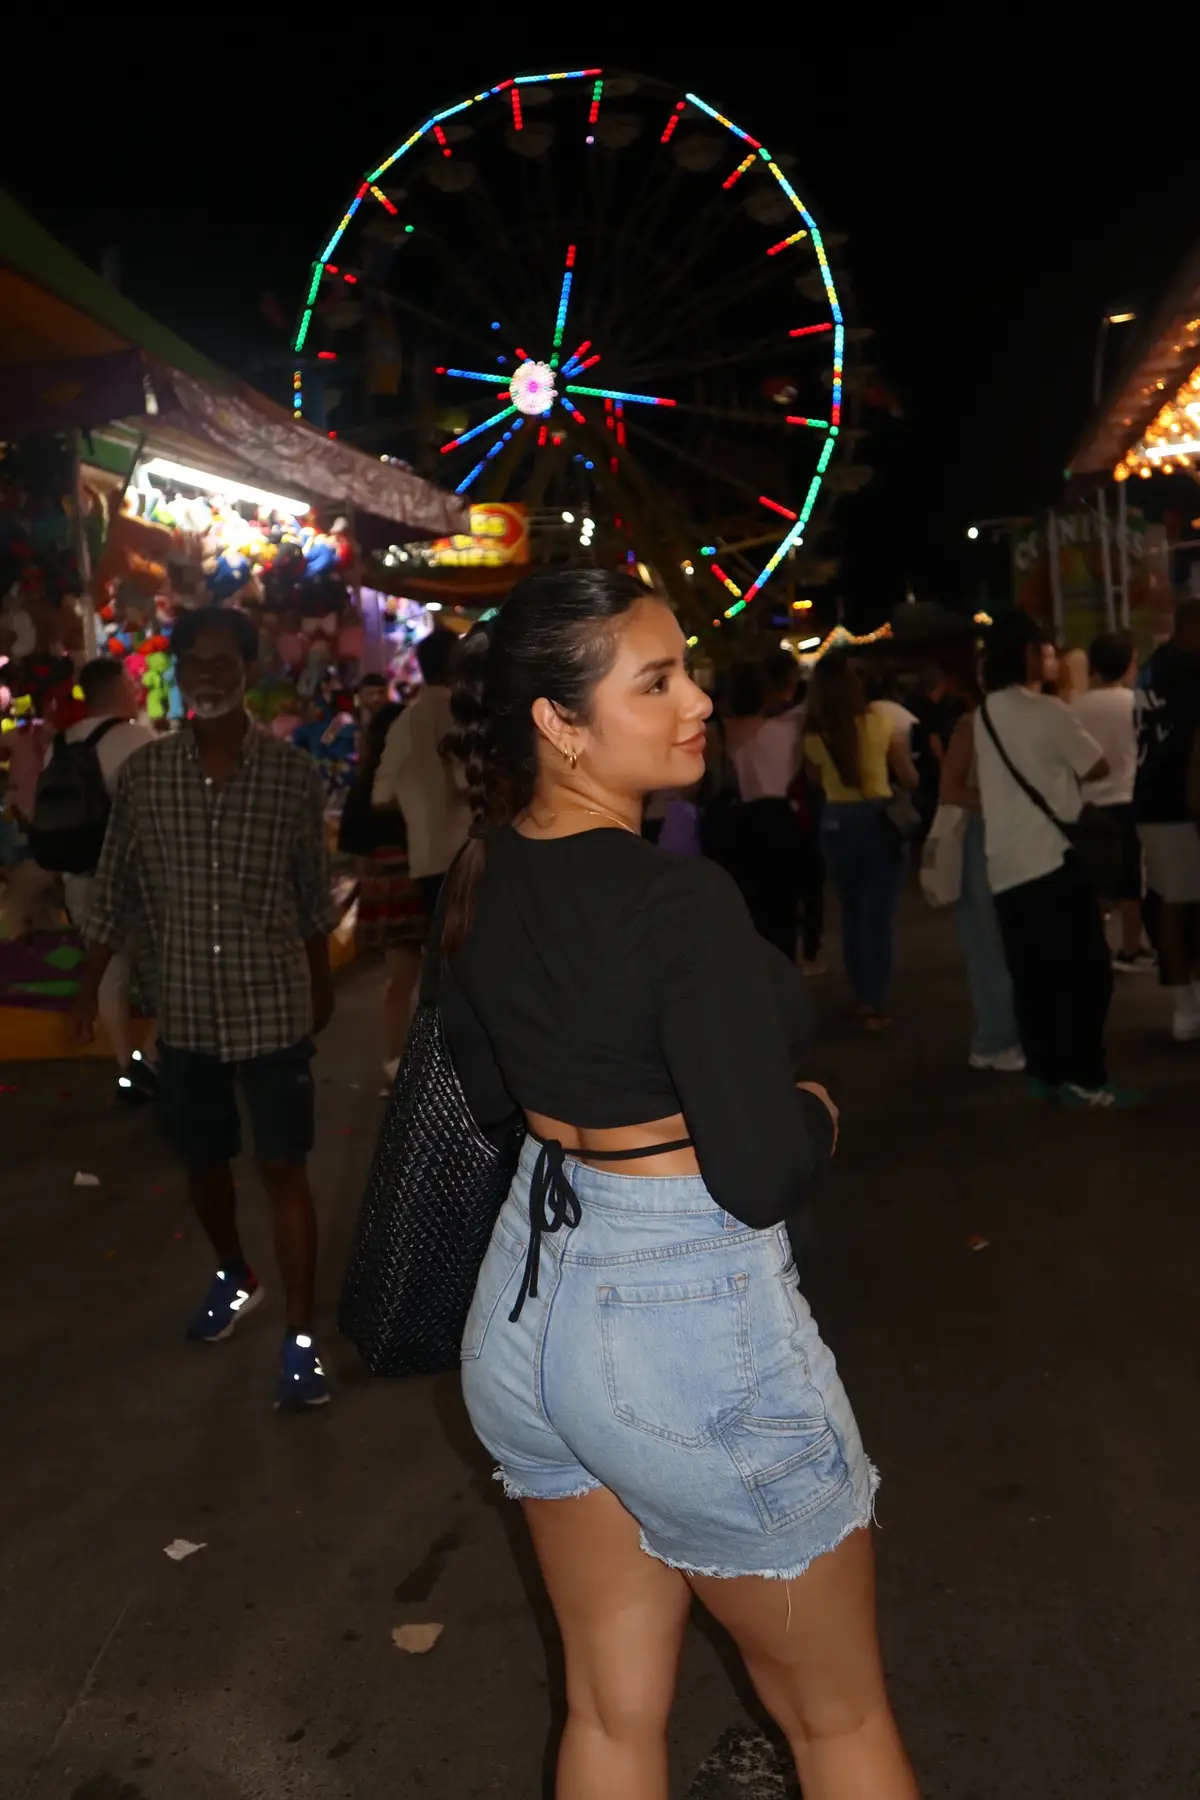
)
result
[(1129, 880), (198, 1104)]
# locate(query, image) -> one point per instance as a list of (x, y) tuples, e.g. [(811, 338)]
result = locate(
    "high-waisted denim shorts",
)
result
[(670, 1357)]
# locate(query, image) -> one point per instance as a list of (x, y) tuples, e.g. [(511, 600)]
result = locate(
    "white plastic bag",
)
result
[(942, 856)]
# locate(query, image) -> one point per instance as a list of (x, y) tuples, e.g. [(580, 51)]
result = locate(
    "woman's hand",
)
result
[(814, 1087)]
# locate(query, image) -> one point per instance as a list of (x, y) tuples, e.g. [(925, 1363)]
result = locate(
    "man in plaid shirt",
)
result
[(214, 875)]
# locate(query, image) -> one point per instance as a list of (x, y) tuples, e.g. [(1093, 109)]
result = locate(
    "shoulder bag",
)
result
[(436, 1186), (1093, 836)]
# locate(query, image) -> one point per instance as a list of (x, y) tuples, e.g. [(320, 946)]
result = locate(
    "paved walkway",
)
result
[(1033, 1406)]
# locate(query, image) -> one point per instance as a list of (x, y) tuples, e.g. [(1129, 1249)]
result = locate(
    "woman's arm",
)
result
[(900, 763), (760, 1142), (956, 787)]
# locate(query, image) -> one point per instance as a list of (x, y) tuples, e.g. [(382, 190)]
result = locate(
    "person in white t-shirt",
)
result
[(108, 694), (1106, 712), (1049, 914)]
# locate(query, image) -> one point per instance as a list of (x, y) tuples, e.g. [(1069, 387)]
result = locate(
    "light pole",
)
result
[(1114, 318)]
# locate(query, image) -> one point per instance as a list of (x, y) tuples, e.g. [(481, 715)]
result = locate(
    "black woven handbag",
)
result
[(434, 1191)]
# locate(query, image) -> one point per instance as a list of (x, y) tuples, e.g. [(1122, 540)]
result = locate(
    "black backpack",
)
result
[(70, 812)]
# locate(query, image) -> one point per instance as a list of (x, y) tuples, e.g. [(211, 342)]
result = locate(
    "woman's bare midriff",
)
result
[(586, 1144)]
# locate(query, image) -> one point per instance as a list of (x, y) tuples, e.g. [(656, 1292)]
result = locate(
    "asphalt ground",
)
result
[(1031, 1401)]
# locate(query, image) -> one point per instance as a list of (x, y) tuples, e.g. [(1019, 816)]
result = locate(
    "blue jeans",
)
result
[(987, 971), (866, 872), (669, 1356)]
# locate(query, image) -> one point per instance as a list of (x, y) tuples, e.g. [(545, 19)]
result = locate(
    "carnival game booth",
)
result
[(138, 478), (1135, 470)]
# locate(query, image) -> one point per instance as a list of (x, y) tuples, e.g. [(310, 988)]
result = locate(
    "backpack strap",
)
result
[(102, 730), (1030, 791)]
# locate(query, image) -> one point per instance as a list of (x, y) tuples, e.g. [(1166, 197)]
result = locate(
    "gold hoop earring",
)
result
[(571, 758)]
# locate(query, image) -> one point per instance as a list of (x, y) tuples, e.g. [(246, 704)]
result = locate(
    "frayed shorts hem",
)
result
[(791, 1572), (515, 1489)]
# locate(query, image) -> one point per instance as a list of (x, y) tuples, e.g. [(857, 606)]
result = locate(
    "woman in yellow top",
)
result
[(857, 758)]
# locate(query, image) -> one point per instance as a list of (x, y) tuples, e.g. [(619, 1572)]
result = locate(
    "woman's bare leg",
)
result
[(622, 1616), (812, 1650)]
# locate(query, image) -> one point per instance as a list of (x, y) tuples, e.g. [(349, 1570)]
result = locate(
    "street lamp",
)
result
[(1113, 318)]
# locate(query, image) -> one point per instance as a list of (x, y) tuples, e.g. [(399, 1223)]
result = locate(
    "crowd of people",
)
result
[(621, 880)]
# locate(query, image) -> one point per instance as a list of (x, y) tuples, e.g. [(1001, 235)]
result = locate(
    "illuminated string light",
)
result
[(352, 279), (589, 364), (440, 135), (575, 413), (560, 75), (543, 434), (784, 242), (594, 114), (809, 330), (813, 424), (523, 355), (564, 300), (305, 322), (318, 269), (518, 121), (474, 375), (384, 201), (726, 582), (619, 394), (620, 412), (796, 534), (327, 355), (672, 122), (466, 436), (738, 172), (784, 511), (722, 120), (580, 348)]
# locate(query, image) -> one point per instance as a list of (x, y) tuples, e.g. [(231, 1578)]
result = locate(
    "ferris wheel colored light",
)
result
[(532, 389)]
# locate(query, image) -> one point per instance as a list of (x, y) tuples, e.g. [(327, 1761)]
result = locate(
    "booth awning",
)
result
[(1165, 355), (73, 351)]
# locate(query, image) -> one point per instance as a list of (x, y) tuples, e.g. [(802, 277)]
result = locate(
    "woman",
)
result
[(768, 861), (996, 1041), (857, 757), (391, 912), (638, 1357), (1106, 712)]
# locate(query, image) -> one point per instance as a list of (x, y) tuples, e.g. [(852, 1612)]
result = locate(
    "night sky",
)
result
[(993, 214)]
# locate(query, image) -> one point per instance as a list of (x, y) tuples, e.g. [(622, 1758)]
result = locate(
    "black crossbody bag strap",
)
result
[(1042, 804)]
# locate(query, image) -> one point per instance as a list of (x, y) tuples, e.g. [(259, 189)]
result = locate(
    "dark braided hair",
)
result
[(553, 640)]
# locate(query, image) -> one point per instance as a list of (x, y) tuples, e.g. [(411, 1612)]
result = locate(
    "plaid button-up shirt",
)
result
[(213, 889)]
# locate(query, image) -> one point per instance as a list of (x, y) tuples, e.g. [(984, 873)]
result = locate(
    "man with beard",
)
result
[(214, 875), (1166, 807)]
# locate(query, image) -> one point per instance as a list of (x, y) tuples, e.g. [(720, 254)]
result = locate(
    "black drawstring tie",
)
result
[(549, 1183)]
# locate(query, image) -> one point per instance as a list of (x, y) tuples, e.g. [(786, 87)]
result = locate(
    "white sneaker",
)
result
[(1005, 1062), (1185, 1024)]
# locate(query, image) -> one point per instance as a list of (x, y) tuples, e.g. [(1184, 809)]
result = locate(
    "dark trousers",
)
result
[(812, 896), (768, 867), (866, 872), (1061, 972)]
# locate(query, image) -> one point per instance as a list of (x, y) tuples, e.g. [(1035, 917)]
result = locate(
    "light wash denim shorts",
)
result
[(670, 1357)]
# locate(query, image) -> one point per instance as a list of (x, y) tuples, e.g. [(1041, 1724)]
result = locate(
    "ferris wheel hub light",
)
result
[(532, 388)]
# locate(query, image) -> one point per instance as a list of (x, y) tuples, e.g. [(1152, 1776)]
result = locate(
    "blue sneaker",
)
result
[(301, 1380), (1106, 1099), (228, 1301)]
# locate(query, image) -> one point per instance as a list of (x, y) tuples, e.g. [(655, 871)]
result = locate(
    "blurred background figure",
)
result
[(857, 757), (1166, 802), (1106, 712), (391, 915), (766, 855), (996, 1040), (414, 775)]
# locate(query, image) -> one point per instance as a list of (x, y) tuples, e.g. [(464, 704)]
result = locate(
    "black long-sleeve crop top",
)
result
[(606, 983)]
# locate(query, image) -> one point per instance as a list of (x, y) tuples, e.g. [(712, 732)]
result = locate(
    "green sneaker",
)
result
[(1106, 1099), (1041, 1090)]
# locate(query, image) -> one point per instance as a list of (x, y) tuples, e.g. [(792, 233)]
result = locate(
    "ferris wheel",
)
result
[(594, 293)]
